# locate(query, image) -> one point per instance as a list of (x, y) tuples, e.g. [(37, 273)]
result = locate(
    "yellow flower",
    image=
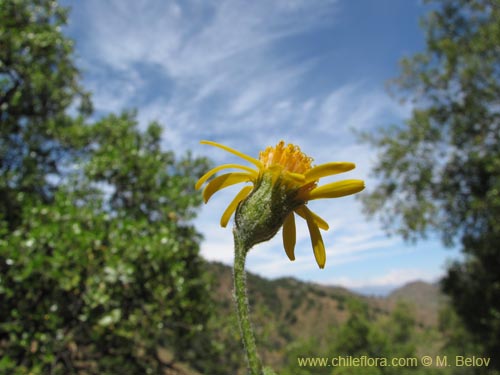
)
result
[(283, 181)]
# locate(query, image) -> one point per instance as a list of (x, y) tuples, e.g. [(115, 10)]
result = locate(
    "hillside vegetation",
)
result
[(297, 319)]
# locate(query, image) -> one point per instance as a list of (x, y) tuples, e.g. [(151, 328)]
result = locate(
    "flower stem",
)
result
[(240, 295)]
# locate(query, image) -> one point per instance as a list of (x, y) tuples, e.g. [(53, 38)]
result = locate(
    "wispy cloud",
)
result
[(230, 71), (202, 45), (395, 277), (223, 67), (218, 58), (351, 239)]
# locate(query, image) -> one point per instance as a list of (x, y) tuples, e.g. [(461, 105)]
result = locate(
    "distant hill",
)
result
[(419, 292), (286, 309), (289, 296), (425, 297)]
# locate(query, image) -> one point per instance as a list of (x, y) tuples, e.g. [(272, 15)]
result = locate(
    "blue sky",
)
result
[(250, 73)]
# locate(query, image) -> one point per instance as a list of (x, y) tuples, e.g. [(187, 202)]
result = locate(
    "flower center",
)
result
[(289, 158)]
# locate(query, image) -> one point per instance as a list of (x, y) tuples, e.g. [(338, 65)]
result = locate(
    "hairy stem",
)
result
[(240, 296)]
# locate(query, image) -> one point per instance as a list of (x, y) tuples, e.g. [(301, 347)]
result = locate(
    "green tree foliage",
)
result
[(304, 349), (361, 335), (38, 83), (91, 284), (99, 266), (440, 171), (458, 342)]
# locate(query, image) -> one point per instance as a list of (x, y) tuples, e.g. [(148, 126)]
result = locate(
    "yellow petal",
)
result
[(337, 189), (316, 241), (234, 203), (224, 181), (233, 151), (213, 171), (301, 211), (328, 169), (289, 236), (297, 177)]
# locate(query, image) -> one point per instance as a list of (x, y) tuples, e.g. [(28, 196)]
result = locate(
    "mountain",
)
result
[(425, 297), (291, 299), (287, 311)]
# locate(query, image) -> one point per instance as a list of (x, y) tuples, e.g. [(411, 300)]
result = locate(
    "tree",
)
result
[(458, 342), (440, 170), (401, 331), (38, 83), (105, 283), (361, 335), (99, 263)]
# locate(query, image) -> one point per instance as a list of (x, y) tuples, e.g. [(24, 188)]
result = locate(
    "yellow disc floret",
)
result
[(288, 165), (281, 184), (289, 157)]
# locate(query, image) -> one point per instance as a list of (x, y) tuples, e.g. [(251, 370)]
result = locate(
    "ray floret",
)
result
[(282, 178)]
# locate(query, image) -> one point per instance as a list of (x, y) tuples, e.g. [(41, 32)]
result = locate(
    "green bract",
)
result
[(259, 217)]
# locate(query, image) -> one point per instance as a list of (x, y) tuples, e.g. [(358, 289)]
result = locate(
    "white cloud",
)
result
[(219, 58), (395, 277), (351, 238), (194, 38), (228, 78)]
